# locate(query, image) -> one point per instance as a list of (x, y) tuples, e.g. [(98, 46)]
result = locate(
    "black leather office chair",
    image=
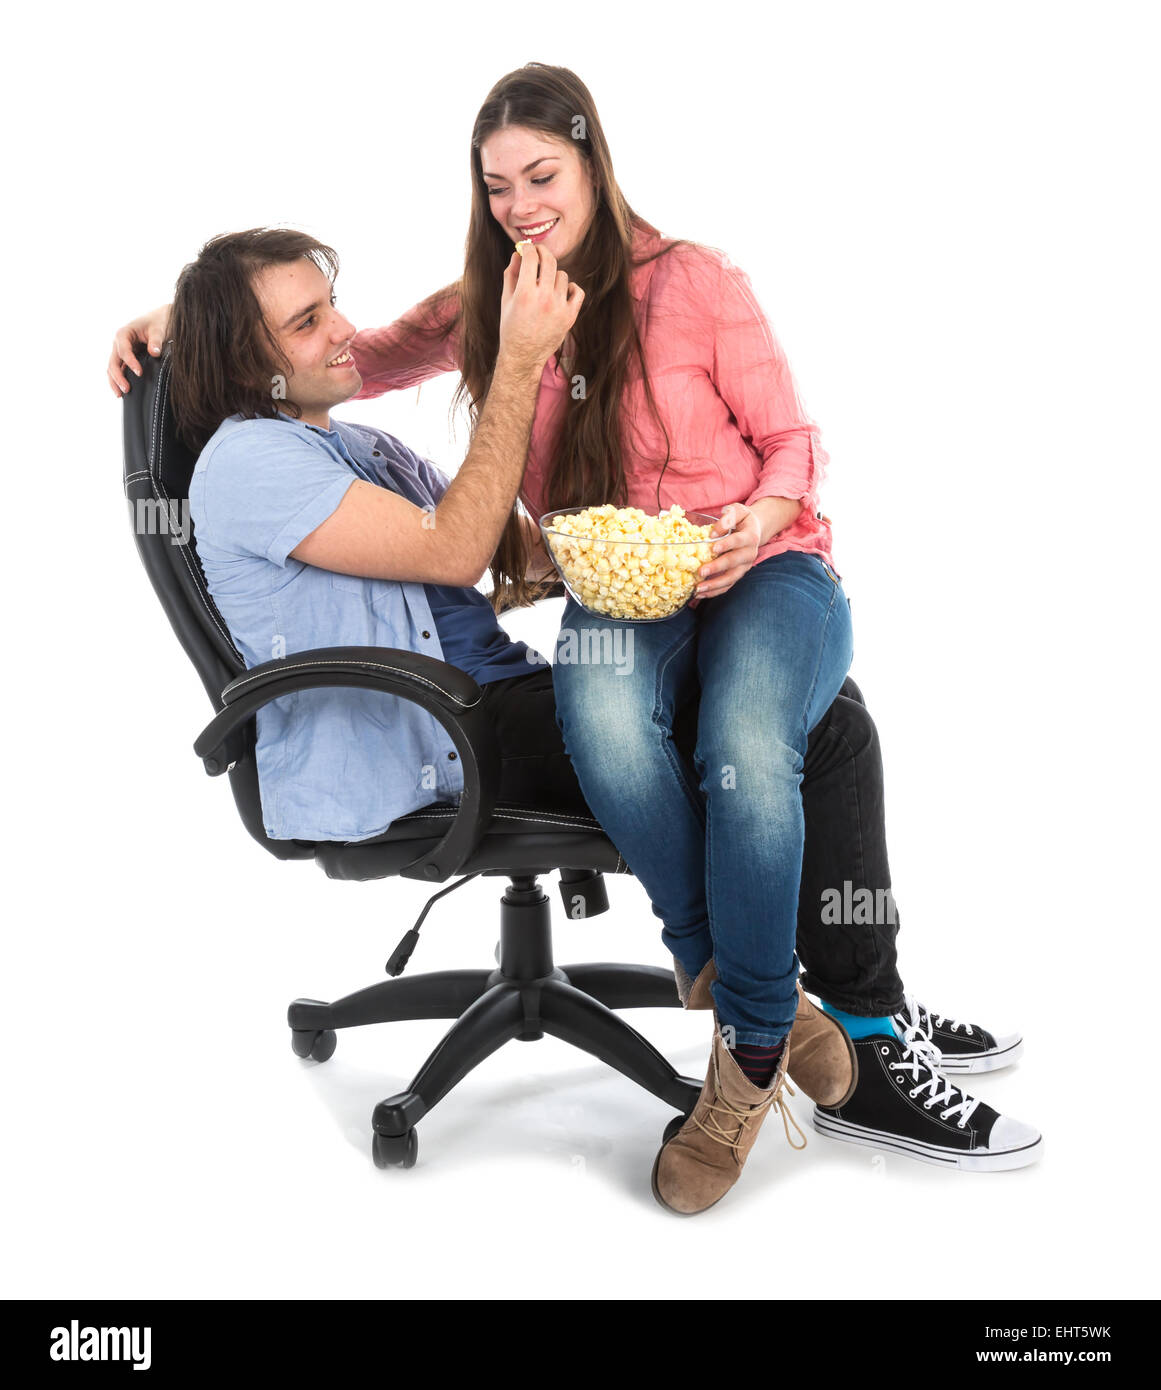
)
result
[(526, 996)]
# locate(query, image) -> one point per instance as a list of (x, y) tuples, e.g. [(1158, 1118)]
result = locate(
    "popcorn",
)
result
[(625, 564)]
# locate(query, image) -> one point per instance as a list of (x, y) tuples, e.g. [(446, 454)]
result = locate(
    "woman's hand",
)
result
[(149, 331), (733, 554)]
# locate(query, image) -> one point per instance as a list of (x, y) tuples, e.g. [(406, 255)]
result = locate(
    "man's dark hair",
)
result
[(224, 357)]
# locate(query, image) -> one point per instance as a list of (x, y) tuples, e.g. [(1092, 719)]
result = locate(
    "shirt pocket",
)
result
[(353, 584), (382, 619)]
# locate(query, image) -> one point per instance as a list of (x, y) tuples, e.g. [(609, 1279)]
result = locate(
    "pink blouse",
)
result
[(737, 430)]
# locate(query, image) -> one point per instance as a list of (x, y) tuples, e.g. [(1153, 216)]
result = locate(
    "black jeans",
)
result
[(847, 923)]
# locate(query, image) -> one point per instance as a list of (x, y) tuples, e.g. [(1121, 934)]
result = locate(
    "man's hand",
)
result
[(538, 307), (150, 331)]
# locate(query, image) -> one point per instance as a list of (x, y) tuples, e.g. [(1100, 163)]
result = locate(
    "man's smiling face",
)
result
[(298, 303)]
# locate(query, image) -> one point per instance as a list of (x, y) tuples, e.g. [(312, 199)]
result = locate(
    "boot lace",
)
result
[(921, 1061), (728, 1124)]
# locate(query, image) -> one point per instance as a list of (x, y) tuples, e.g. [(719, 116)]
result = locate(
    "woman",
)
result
[(710, 415), (672, 388)]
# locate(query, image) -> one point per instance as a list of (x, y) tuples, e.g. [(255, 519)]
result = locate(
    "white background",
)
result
[(948, 213)]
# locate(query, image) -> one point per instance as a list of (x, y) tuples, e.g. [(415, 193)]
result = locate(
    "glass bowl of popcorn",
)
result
[(623, 563)]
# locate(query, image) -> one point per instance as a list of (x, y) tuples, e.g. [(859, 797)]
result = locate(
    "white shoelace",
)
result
[(912, 1018), (921, 1060)]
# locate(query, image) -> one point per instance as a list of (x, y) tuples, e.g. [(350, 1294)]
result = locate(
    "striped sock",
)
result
[(757, 1062)]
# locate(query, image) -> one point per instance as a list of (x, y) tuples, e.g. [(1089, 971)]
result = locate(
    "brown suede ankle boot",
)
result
[(695, 994), (704, 1159), (822, 1061)]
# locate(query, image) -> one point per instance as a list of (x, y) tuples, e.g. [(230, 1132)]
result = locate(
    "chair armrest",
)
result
[(450, 695)]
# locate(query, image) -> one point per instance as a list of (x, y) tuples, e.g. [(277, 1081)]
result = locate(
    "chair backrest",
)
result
[(158, 468)]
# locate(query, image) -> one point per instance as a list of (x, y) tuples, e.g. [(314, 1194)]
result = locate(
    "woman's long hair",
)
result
[(588, 460)]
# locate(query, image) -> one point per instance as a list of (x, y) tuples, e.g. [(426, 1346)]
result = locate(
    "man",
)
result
[(315, 533)]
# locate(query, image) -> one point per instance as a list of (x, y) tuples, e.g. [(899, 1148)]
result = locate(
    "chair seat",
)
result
[(520, 839)]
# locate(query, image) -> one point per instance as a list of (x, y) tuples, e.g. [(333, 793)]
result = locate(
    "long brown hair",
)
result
[(224, 355), (588, 459)]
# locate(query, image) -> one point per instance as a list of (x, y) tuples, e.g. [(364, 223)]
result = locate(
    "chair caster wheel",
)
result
[(672, 1127), (307, 1043), (395, 1150)]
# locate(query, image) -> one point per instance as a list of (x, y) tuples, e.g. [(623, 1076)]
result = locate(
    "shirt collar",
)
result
[(305, 424)]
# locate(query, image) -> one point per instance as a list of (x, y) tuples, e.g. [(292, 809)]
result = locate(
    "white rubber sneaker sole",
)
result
[(1005, 1052), (1026, 1146)]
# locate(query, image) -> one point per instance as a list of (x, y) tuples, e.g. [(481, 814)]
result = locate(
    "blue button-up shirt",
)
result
[(334, 764)]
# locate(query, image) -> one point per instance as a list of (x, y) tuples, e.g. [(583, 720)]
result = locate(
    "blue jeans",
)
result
[(717, 846)]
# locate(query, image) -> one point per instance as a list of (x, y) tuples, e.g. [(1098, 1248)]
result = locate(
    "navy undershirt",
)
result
[(471, 637)]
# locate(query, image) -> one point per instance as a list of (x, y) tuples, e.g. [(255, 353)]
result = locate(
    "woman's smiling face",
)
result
[(539, 189)]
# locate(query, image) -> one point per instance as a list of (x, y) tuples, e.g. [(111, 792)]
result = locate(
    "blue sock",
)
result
[(860, 1027)]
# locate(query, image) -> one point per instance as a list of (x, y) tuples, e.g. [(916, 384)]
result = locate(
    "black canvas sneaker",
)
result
[(963, 1047), (903, 1104)]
